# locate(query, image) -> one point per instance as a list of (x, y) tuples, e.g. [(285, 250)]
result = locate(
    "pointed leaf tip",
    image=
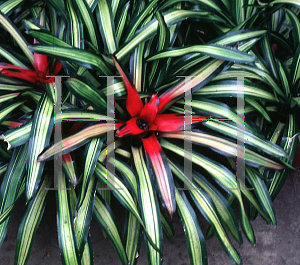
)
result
[(134, 104)]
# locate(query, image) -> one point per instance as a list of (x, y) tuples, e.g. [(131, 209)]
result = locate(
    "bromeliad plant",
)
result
[(146, 42)]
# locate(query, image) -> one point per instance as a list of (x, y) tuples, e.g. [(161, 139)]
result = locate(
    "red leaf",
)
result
[(162, 170), (19, 75), (56, 68), (134, 103), (76, 126), (149, 111), (129, 128), (173, 122), (16, 69), (41, 64), (40, 61)]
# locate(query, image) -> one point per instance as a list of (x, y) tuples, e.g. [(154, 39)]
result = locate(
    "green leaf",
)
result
[(132, 237), (212, 50), (89, 21), (194, 237), (269, 56), (18, 136), (91, 154), (73, 142), (149, 207), (255, 104), (81, 57), (236, 36), (121, 21), (65, 225), (5, 97), (7, 108), (139, 18), (167, 226), (238, 10), (40, 134), (107, 221), (47, 37), (205, 205), (230, 129), (10, 184), (106, 25), (262, 193), (83, 216), (85, 92), (223, 176), (69, 168), (295, 70), (171, 17), (286, 2), (229, 88), (288, 143), (88, 253), (15, 33), (11, 58), (30, 222), (75, 29), (223, 146), (7, 6), (296, 26)]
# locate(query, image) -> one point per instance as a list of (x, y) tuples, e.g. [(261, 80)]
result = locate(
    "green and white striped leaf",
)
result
[(81, 57), (132, 237), (6, 97), (65, 225), (10, 184), (286, 2), (91, 154), (212, 50), (11, 58), (74, 28), (40, 134), (236, 36), (223, 176), (295, 70), (107, 221), (230, 129), (30, 222), (46, 37), (7, 108), (83, 216), (171, 17), (15, 33), (89, 21), (224, 209), (18, 136), (205, 205), (88, 253), (85, 92), (7, 6), (288, 143), (167, 226), (121, 20), (193, 235), (255, 104), (229, 88), (74, 141), (149, 207), (262, 193), (106, 25)]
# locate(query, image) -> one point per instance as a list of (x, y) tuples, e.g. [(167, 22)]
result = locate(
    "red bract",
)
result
[(145, 120), (41, 66)]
